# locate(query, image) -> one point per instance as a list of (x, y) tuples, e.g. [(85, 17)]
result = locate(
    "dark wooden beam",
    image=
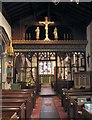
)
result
[(36, 5), (4, 12), (32, 6), (41, 12), (33, 42), (8, 5), (20, 15), (18, 7), (76, 15), (79, 10), (19, 11)]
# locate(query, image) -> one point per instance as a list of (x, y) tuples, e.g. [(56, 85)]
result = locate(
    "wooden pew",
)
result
[(26, 94), (13, 94), (13, 103), (86, 113), (63, 84), (75, 93), (75, 107), (10, 113), (22, 97), (32, 93), (64, 92), (67, 101)]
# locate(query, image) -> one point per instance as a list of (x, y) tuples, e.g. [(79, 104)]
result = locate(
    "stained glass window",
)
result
[(45, 67)]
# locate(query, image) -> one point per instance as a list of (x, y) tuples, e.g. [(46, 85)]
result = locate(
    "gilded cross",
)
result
[(46, 23)]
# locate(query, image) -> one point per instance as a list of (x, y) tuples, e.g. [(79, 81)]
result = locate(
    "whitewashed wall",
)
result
[(89, 47), (7, 27)]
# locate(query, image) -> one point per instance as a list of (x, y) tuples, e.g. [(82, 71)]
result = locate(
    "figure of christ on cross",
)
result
[(46, 23)]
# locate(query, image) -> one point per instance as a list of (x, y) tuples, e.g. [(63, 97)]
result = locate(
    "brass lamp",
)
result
[(10, 49)]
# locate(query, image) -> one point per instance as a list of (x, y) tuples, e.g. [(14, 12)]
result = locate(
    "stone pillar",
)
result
[(4, 69), (89, 48)]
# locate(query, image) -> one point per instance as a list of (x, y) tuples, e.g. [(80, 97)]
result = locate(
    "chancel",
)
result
[(46, 60)]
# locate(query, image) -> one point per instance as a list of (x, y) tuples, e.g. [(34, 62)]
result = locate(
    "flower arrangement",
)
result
[(30, 81)]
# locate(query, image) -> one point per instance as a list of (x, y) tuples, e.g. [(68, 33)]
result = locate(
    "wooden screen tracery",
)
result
[(23, 66), (46, 55), (71, 62)]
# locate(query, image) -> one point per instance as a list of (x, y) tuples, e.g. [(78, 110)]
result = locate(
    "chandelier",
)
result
[(77, 1), (57, 1)]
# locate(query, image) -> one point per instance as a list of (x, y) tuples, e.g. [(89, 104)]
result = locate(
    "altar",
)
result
[(46, 79)]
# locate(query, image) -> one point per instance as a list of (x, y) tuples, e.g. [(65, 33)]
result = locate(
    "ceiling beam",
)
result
[(77, 18), (19, 11), (9, 4), (78, 14), (17, 17), (4, 12), (34, 13), (81, 10), (17, 7)]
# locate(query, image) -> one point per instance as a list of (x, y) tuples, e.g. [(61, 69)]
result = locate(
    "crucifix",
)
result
[(46, 23)]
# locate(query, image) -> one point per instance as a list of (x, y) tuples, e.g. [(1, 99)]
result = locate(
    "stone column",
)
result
[(4, 69)]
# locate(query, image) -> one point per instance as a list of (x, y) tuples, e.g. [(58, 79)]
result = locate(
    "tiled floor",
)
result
[(48, 106), (48, 109)]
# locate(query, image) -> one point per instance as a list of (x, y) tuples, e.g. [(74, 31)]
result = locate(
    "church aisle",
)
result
[(46, 90), (48, 107)]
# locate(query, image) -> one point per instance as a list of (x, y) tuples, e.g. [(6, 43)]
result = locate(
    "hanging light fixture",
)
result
[(77, 1), (57, 1)]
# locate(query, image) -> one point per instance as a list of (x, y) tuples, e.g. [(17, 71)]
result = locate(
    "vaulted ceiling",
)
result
[(77, 13)]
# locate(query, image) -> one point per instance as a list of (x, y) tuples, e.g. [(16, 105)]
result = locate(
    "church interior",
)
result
[(46, 60)]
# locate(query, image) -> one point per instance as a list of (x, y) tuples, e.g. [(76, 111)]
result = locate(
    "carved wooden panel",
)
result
[(82, 79)]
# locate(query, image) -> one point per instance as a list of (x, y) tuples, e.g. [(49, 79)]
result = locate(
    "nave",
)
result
[(46, 43), (48, 105), (25, 104)]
